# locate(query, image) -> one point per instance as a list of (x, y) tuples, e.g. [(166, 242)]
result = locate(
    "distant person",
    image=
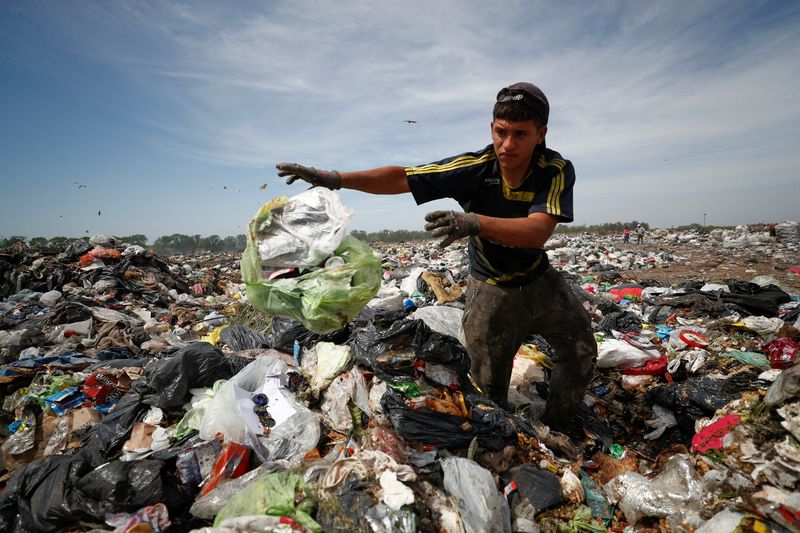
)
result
[(626, 235), (513, 192), (639, 234), (773, 230)]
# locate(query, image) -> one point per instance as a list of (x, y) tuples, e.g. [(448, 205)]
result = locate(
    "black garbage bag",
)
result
[(623, 322), (77, 248), (240, 337), (113, 430), (286, 330), (197, 365), (692, 399), (114, 352), (493, 427), (127, 486), (37, 497), (54, 492), (755, 299), (391, 353), (344, 509), (534, 490)]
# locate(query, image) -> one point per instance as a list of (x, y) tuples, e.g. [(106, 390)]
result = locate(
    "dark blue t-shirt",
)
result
[(473, 179)]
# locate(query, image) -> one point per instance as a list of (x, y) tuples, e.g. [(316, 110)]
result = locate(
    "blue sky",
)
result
[(168, 117)]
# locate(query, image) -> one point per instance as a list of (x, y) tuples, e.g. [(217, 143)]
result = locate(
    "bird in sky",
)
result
[(410, 121), (98, 213), (80, 185)]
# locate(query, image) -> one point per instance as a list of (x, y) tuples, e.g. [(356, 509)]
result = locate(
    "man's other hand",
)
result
[(452, 225), (317, 178)]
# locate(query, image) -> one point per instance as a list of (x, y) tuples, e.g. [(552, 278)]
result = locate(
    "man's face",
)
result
[(514, 142)]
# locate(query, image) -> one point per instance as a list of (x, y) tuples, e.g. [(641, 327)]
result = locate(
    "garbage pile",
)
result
[(140, 394)]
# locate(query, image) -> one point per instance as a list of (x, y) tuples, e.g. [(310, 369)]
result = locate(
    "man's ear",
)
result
[(540, 136)]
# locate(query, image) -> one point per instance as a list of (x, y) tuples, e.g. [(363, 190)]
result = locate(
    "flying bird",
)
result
[(80, 185), (98, 213), (410, 121), (262, 186)]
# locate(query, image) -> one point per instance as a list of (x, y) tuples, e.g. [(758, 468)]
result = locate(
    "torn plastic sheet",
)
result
[(480, 505), (301, 231), (676, 493)]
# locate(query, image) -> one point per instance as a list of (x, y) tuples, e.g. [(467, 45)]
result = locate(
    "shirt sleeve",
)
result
[(455, 177), (554, 196)]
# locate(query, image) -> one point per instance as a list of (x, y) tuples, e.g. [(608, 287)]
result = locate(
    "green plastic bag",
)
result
[(324, 300), (274, 494)]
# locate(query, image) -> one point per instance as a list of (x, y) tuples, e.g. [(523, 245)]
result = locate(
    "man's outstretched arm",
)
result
[(381, 180)]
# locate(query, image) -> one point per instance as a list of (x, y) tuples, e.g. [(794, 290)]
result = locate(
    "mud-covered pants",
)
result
[(497, 320)]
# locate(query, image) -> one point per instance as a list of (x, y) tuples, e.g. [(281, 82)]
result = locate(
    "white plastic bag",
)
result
[(332, 360), (481, 506), (615, 353), (230, 412), (302, 230), (442, 319)]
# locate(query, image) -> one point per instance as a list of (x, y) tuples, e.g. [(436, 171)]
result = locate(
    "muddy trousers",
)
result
[(497, 320)]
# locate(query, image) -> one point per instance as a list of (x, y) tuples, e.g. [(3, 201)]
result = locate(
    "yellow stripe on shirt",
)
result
[(459, 162), (556, 187)]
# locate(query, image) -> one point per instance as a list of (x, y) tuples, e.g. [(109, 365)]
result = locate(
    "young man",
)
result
[(639, 234), (514, 192)]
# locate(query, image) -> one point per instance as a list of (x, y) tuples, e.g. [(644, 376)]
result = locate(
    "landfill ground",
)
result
[(146, 394)]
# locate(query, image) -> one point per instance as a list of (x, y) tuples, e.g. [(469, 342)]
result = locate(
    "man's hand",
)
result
[(452, 225), (317, 178)]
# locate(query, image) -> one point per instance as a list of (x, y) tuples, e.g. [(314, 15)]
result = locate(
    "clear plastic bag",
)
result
[(481, 506), (323, 300)]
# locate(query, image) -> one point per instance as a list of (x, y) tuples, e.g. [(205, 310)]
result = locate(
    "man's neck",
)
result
[(516, 175)]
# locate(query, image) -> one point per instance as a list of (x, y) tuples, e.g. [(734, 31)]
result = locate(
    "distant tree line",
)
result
[(178, 243), (399, 235)]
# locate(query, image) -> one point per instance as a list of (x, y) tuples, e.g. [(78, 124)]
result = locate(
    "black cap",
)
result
[(530, 95)]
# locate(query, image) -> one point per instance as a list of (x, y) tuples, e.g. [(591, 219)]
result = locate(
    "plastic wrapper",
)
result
[(58, 438), (279, 494), (207, 506), (23, 439), (595, 497), (481, 506), (782, 352), (334, 405), (382, 519), (233, 461), (152, 519), (676, 493), (332, 360)]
